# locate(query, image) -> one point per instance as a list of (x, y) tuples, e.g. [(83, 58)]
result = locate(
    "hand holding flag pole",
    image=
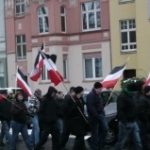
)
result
[(118, 81), (50, 64)]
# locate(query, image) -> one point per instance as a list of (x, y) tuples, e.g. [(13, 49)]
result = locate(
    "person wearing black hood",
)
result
[(19, 121), (48, 118), (143, 112)]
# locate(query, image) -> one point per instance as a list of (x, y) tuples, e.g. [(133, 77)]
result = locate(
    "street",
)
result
[(47, 146)]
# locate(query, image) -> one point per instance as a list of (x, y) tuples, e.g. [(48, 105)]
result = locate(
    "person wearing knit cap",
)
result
[(95, 109), (73, 120)]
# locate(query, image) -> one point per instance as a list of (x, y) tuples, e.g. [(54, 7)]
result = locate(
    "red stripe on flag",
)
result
[(109, 84)]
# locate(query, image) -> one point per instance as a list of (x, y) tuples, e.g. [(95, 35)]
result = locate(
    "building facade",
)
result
[(130, 35), (77, 31), (3, 62)]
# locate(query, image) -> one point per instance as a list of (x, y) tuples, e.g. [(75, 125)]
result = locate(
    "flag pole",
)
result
[(66, 89), (126, 62)]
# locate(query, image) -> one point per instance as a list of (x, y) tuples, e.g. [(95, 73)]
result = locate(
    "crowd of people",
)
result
[(62, 115)]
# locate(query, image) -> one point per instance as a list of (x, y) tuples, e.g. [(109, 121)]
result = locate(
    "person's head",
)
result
[(19, 97), (60, 94), (72, 91), (51, 93), (98, 87), (79, 91), (38, 93), (146, 90)]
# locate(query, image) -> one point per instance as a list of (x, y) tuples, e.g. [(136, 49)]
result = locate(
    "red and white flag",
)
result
[(53, 73), (21, 80), (38, 67), (112, 78), (147, 82)]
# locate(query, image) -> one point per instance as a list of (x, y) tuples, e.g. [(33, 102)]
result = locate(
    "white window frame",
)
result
[(44, 76), (43, 17), (128, 30), (125, 1), (87, 12), (20, 3), (63, 15), (65, 60), (93, 67), (21, 44)]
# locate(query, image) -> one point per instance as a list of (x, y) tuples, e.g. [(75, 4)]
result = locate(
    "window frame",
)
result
[(66, 73), (63, 15), (128, 31), (43, 17), (21, 44), (86, 13), (93, 67), (20, 4)]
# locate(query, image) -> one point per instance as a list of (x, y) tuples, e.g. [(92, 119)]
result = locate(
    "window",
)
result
[(43, 20), (65, 67), (129, 73), (92, 65), (20, 7), (128, 35), (91, 16), (21, 46), (124, 1), (45, 74), (63, 18)]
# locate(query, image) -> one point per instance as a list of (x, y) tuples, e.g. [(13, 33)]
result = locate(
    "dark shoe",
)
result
[(2, 144)]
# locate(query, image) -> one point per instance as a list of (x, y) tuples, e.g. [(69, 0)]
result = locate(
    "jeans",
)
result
[(125, 130), (99, 130), (16, 128), (34, 138), (5, 132)]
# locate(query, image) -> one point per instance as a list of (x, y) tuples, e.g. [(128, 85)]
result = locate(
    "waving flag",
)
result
[(53, 73), (147, 82), (38, 67), (21, 80), (111, 79)]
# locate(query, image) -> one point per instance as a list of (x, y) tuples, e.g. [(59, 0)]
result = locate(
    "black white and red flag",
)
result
[(147, 81), (112, 78), (21, 80), (38, 66), (50, 65)]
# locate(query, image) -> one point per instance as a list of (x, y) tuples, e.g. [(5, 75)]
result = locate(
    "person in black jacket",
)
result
[(75, 121), (127, 117), (48, 118), (19, 121), (143, 114), (95, 109)]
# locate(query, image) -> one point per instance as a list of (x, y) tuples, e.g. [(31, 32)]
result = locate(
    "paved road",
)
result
[(21, 145)]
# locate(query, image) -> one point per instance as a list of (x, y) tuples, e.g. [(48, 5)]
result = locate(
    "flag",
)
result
[(38, 67), (53, 73), (112, 78), (21, 80), (147, 82)]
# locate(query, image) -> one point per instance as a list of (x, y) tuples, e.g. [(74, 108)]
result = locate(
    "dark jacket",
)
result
[(95, 105), (73, 118), (49, 111), (126, 107), (19, 112)]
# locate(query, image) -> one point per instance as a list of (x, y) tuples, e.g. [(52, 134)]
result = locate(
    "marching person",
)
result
[(127, 117), (19, 121), (98, 124), (75, 122), (48, 118), (33, 108)]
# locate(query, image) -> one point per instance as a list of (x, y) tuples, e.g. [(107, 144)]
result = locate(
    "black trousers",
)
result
[(47, 129)]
